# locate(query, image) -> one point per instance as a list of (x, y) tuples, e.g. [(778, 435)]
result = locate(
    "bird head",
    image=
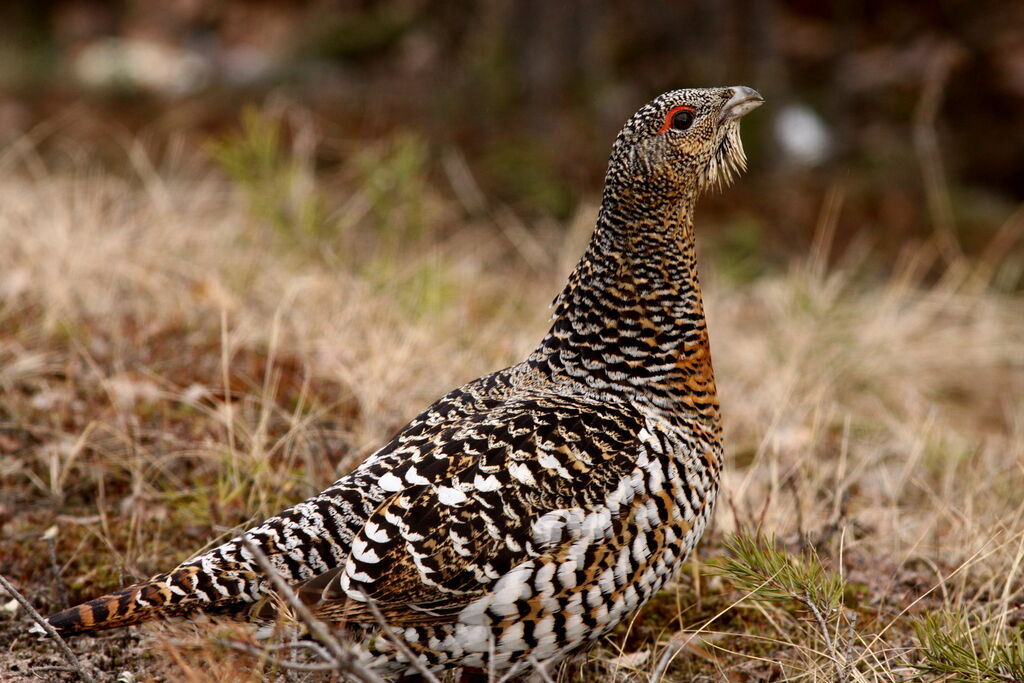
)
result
[(682, 142)]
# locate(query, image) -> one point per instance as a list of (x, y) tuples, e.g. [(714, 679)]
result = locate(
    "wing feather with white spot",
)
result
[(497, 490)]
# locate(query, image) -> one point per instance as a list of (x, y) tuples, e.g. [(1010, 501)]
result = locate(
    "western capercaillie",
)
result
[(525, 514)]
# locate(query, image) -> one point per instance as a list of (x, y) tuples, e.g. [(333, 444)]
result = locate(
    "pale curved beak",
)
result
[(743, 101)]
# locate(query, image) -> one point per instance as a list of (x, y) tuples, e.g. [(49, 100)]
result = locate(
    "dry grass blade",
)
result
[(345, 660), (399, 644), (540, 670), (677, 643)]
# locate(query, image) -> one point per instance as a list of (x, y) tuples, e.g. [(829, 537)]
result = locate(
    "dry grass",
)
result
[(172, 368)]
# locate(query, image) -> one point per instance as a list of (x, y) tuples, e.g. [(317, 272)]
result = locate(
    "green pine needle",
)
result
[(756, 566), (961, 652)]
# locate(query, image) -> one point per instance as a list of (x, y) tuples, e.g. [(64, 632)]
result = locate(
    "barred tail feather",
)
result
[(302, 542), (186, 589), (121, 608)]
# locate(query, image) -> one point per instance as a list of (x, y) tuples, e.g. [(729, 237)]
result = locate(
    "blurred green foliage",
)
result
[(523, 166), (393, 175), (279, 188)]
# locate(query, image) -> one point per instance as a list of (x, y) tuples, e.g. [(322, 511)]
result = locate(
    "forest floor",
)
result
[(178, 361)]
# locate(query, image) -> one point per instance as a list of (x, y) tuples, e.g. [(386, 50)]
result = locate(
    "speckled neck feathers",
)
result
[(630, 322)]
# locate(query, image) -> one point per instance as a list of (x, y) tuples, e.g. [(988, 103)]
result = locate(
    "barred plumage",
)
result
[(531, 510)]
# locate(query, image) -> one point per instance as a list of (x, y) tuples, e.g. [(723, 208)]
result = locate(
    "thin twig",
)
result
[(848, 650), (345, 659), (690, 640), (823, 627), (513, 672), (675, 644), (49, 630), (385, 628), (541, 669)]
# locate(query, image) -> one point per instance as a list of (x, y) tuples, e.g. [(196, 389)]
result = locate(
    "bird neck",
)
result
[(630, 321)]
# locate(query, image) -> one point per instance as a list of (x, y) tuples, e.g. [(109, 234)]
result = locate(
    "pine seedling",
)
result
[(757, 567), (277, 183), (958, 652), (392, 175)]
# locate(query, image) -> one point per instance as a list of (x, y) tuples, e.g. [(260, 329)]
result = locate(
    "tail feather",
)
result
[(121, 608), (227, 576), (193, 586), (189, 588)]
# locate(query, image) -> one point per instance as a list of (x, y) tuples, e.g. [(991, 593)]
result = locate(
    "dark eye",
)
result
[(678, 118), (682, 119)]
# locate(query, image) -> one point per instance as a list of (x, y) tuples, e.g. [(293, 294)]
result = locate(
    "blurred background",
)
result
[(902, 120), (242, 243)]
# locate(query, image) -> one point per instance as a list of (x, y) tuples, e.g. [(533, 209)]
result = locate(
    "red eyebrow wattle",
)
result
[(672, 112)]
